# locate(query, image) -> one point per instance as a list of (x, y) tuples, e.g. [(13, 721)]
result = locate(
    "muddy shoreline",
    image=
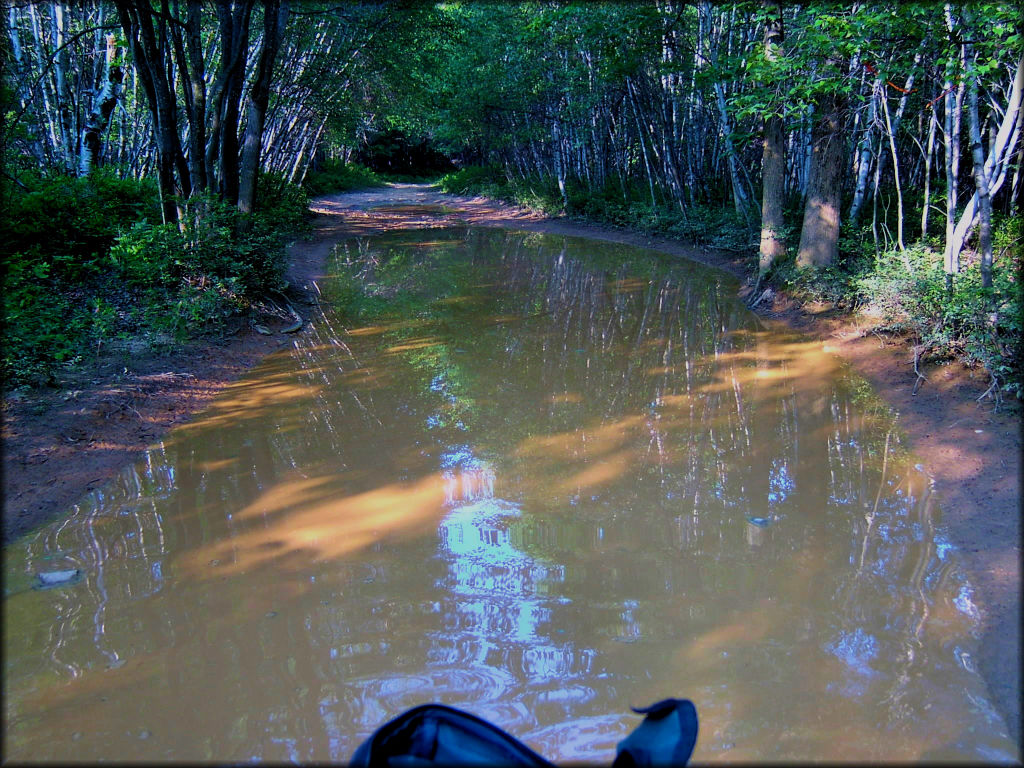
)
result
[(59, 444)]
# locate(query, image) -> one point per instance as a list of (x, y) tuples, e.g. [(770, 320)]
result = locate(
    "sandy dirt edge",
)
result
[(59, 444)]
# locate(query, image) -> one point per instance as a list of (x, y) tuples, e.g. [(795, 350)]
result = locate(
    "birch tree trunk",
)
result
[(864, 161), (103, 103), (993, 168), (951, 105), (933, 122), (981, 185)]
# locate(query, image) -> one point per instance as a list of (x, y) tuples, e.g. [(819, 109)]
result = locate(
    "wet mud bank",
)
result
[(60, 444)]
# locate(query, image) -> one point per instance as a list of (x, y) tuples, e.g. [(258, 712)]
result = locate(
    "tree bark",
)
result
[(819, 235), (993, 168), (275, 18), (864, 162), (103, 104), (225, 96), (773, 160), (150, 66)]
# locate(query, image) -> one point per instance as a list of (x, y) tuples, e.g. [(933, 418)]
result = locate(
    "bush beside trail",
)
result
[(90, 266)]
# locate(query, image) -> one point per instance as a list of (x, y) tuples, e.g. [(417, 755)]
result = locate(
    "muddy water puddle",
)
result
[(541, 479)]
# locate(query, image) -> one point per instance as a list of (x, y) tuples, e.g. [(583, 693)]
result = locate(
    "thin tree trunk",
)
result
[(864, 162), (981, 183), (741, 201), (929, 151), (951, 152), (896, 176)]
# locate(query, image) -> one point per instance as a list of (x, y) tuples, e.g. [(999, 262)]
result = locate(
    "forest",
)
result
[(158, 156)]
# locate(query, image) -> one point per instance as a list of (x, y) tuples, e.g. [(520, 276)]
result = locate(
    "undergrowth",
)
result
[(713, 225), (336, 176), (89, 266), (906, 293)]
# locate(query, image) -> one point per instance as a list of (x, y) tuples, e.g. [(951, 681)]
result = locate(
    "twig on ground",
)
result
[(918, 349), (766, 294), (993, 389)]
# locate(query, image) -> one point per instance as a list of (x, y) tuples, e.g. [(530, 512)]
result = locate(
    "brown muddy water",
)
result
[(541, 479)]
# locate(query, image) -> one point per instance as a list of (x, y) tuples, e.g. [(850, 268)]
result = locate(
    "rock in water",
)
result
[(49, 579)]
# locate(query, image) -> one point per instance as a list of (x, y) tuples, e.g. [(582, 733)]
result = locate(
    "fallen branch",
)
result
[(918, 349), (994, 386), (767, 294)]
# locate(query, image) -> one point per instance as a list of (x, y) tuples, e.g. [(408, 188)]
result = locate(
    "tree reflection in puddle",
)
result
[(543, 479)]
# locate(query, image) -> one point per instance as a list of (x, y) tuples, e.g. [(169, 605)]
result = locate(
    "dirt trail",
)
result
[(60, 444)]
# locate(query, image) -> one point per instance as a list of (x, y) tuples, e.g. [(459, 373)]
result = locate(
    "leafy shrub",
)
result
[(475, 180), (282, 206), (336, 176), (38, 329), (88, 260), (69, 223), (907, 291), (209, 267)]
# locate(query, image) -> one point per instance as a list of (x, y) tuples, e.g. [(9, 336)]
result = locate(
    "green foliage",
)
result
[(39, 326), (715, 225), (67, 224), (88, 262), (475, 180), (281, 206), (211, 265), (336, 176), (981, 326), (907, 293)]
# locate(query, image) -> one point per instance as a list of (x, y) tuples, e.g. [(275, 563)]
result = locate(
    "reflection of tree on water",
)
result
[(605, 432)]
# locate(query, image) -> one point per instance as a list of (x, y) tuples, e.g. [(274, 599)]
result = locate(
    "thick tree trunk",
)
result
[(773, 161), (819, 235), (225, 96)]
